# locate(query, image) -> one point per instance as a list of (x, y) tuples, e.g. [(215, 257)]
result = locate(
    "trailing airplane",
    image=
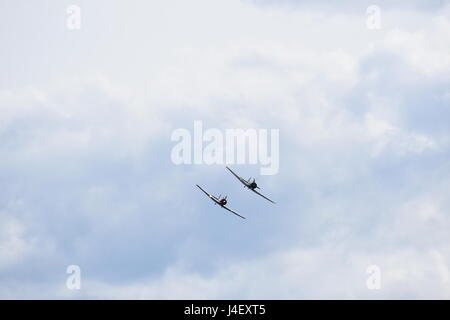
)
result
[(251, 185), (221, 201)]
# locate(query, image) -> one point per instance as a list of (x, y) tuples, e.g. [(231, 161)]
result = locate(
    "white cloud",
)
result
[(384, 135), (14, 246)]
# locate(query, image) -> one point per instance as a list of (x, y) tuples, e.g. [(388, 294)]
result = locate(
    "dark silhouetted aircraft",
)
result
[(249, 184), (221, 201)]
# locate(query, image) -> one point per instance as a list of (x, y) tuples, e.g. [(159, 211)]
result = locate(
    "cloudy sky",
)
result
[(86, 176)]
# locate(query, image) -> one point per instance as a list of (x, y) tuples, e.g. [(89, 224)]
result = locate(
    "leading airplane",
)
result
[(251, 185), (221, 201)]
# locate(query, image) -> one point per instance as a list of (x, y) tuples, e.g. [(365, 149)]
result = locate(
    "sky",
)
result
[(87, 179)]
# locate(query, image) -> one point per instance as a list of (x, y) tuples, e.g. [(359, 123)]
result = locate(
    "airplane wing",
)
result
[(262, 195), (209, 195), (233, 212), (239, 178)]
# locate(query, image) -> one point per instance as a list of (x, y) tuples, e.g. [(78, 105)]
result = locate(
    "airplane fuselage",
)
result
[(251, 185), (220, 201)]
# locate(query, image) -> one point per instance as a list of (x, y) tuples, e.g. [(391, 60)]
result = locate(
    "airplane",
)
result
[(221, 201), (251, 185)]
